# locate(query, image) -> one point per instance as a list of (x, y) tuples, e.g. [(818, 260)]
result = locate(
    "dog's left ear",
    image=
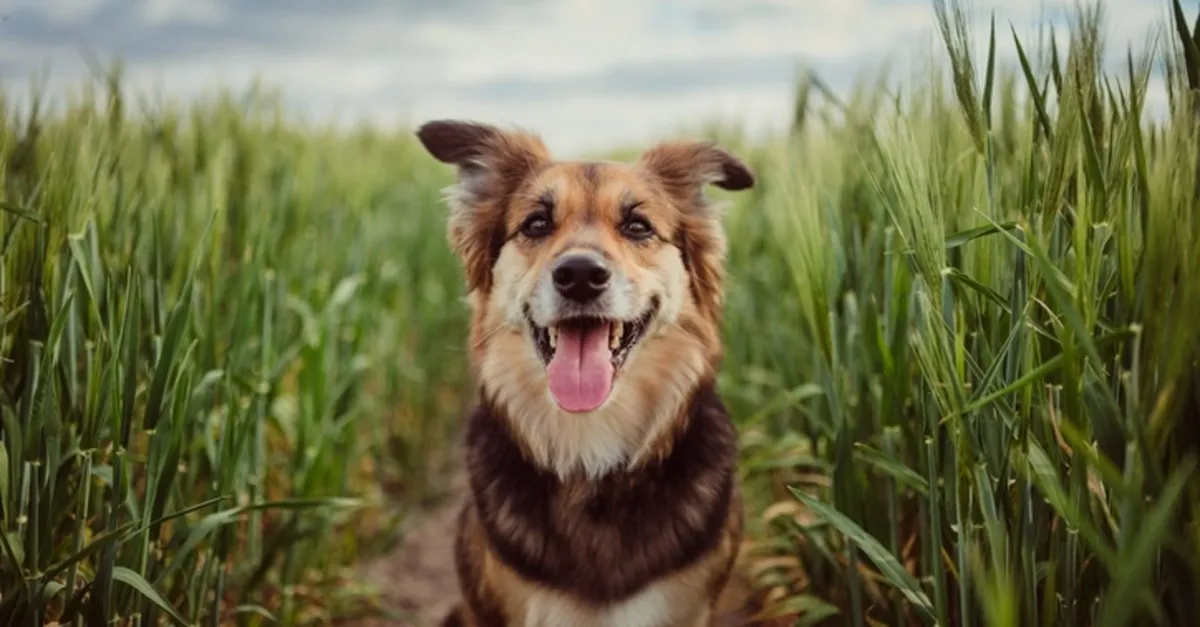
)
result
[(492, 164), (690, 165), (684, 168)]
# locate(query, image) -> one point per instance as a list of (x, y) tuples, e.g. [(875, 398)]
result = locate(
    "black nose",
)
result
[(580, 278)]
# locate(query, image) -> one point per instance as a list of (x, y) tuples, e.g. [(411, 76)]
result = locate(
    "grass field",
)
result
[(960, 349)]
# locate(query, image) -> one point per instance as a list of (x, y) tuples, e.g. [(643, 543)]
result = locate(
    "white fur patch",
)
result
[(656, 606)]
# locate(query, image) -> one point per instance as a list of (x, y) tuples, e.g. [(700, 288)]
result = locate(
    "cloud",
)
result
[(586, 73)]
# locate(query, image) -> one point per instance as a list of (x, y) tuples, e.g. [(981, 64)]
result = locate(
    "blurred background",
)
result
[(588, 74)]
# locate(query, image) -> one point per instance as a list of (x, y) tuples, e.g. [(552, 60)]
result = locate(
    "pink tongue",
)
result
[(581, 372)]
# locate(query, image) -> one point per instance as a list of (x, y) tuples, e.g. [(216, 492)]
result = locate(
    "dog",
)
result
[(601, 460)]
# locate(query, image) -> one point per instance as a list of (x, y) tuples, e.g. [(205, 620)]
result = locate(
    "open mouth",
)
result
[(583, 354)]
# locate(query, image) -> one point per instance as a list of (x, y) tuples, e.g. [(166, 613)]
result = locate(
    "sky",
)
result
[(585, 74)]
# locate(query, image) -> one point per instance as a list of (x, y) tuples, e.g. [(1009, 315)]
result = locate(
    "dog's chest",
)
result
[(628, 549)]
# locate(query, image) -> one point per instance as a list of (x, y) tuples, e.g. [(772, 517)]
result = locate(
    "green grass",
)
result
[(987, 304), (961, 349), (224, 337)]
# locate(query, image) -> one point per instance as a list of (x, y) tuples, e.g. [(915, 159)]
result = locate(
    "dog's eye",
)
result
[(536, 226), (637, 228)]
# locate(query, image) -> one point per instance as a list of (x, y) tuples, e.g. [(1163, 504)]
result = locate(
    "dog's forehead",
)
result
[(587, 187)]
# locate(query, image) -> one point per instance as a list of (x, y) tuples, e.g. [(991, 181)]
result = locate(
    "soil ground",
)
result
[(418, 577)]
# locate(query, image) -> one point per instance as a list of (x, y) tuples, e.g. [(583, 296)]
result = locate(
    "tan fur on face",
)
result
[(507, 176)]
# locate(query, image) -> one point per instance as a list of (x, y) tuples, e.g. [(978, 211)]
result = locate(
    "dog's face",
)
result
[(593, 284)]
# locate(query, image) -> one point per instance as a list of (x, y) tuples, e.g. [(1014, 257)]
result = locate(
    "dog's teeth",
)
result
[(616, 332), (553, 337)]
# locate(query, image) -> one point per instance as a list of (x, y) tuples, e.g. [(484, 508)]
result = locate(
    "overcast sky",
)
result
[(585, 73)]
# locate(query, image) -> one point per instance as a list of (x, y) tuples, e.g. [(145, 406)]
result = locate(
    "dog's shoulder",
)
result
[(604, 540)]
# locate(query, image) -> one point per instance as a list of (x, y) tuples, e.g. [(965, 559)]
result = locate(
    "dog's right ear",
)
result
[(491, 165), (457, 142), (486, 156)]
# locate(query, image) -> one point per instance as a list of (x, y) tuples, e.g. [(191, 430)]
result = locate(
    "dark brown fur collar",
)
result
[(604, 540)]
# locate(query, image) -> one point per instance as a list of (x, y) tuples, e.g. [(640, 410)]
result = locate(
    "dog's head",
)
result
[(595, 286)]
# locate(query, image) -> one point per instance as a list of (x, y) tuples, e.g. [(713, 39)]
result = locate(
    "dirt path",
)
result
[(418, 575)]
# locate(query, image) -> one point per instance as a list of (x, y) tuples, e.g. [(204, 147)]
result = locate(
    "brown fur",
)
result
[(629, 514)]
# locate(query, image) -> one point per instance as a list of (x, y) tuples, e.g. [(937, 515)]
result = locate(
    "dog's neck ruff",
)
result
[(602, 540)]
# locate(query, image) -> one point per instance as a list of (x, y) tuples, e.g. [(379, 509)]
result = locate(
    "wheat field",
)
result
[(960, 348)]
